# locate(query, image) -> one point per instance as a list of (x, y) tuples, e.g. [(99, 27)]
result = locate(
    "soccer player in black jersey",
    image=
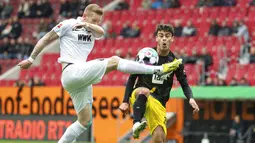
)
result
[(149, 94)]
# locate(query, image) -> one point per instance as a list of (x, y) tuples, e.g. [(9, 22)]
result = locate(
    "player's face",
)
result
[(164, 40), (94, 18)]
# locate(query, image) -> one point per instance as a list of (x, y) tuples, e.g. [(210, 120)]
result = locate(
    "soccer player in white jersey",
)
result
[(77, 37)]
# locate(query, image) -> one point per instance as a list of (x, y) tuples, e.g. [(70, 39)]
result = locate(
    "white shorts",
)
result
[(77, 79)]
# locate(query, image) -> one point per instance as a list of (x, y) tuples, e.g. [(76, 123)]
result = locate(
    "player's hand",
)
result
[(124, 107), (25, 64), (82, 24), (194, 105)]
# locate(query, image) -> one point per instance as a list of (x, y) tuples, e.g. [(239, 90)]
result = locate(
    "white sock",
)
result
[(72, 132), (133, 67)]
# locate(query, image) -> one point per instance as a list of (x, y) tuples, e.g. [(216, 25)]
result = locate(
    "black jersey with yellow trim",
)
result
[(160, 86)]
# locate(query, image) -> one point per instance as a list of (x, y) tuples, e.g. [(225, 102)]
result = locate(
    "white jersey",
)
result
[(75, 44)]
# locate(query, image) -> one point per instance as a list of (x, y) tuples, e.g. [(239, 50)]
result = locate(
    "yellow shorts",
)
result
[(155, 113)]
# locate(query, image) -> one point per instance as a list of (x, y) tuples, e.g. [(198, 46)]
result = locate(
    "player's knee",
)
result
[(86, 123), (158, 137), (144, 91), (113, 62)]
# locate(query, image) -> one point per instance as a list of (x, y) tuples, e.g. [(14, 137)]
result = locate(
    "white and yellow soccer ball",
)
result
[(147, 56)]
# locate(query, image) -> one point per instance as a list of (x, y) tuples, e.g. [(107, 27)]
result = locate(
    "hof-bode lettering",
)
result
[(57, 102), (35, 105)]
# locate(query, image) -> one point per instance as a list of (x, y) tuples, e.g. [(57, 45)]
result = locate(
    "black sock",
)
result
[(139, 107)]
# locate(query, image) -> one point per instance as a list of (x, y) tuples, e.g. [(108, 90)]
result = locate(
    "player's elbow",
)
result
[(49, 37)]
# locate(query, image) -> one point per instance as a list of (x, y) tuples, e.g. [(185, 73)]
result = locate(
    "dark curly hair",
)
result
[(166, 28)]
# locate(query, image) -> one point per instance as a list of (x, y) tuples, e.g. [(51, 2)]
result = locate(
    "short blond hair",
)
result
[(93, 8)]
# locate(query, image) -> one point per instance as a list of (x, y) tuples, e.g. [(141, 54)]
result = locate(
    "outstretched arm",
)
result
[(181, 77), (129, 89), (43, 42)]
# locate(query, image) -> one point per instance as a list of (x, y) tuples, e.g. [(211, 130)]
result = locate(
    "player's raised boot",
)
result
[(170, 67), (138, 127)]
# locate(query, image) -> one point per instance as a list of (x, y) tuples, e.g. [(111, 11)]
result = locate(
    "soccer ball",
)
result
[(147, 56)]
